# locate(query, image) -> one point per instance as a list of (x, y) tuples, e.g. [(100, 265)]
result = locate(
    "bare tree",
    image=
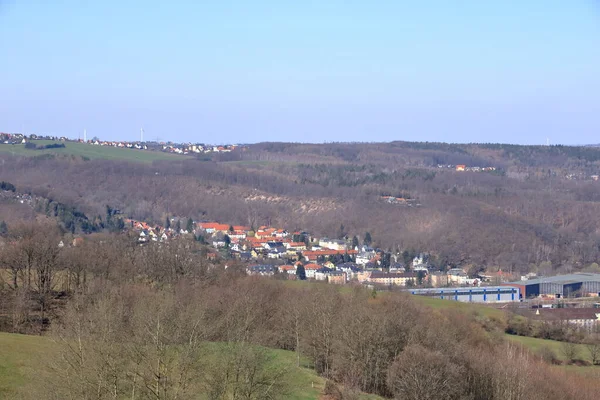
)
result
[(592, 345), (420, 374), (569, 350)]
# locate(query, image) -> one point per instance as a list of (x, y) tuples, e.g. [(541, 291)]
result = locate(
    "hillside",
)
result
[(87, 151), (518, 208)]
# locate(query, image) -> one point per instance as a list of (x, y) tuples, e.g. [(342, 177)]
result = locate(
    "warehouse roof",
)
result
[(561, 279)]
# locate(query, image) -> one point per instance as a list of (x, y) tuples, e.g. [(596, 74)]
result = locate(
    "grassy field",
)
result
[(536, 346), (19, 356), (479, 309), (91, 152), (22, 355)]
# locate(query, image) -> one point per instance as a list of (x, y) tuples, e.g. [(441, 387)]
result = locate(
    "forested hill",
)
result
[(495, 205)]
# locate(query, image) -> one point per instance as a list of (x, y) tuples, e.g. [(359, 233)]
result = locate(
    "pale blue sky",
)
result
[(325, 70)]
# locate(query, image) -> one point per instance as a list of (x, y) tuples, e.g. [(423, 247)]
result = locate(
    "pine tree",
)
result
[(301, 272), (167, 222), (190, 225), (3, 228), (355, 242), (368, 240), (178, 226), (342, 232)]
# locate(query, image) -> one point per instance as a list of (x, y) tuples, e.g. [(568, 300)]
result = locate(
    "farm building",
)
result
[(484, 294), (572, 285)]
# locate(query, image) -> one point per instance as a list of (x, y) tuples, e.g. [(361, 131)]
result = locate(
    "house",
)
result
[(311, 269), (365, 255), (237, 235), (457, 276), (397, 267), (461, 167), (297, 246), (438, 279), (586, 318), (276, 253), (213, 227), (392, 278), (350, 269), (288, 269), (144, 236), (322, 273), (280, 233), (273, 245), (261, 270), (336, 277), (332, 244)]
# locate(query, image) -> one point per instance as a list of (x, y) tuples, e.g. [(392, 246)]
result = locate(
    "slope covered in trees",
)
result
[(537, 210)]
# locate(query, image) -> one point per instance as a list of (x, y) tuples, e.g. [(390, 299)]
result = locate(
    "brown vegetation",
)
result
[(526, 217), (134, 321)]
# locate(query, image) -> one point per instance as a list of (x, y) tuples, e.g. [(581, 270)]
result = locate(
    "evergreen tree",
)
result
[(420, 277), (355, 242), (3, 228), (342, 232), (301, 272), (190, 225), (167, 222), (368, 240), (178, 226), (231, 230), (227, 240), (386, 260), (407, 258)]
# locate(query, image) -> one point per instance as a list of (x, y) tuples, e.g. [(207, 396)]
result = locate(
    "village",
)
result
[(166, 147), (299, 255)]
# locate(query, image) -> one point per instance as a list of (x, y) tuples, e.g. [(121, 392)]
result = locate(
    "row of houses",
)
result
[(466, 168)]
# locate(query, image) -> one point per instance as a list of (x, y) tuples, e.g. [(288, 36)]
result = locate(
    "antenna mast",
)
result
[(84, 136), (141, 135)]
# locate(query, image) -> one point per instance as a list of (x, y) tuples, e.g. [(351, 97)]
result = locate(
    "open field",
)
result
[(89, 151), (22, 355), (536, 345), (479, 309)]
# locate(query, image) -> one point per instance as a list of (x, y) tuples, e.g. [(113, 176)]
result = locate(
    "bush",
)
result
[(548, 355), (7, 186)]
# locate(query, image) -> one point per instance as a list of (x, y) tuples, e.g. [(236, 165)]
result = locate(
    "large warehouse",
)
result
[(483, 294), (572, 285)]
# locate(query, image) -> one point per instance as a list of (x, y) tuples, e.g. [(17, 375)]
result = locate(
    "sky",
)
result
[(225, 71)]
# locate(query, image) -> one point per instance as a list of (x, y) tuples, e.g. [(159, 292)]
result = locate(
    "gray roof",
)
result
[(562, 279)]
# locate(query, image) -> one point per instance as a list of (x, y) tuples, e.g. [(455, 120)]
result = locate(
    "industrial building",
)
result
[(572, 285), (484, 294)]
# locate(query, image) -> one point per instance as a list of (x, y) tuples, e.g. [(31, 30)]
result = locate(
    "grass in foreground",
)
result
[(21, 356), (90, 151)]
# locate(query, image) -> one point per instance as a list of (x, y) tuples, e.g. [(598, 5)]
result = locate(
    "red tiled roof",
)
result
[(312, 266)]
